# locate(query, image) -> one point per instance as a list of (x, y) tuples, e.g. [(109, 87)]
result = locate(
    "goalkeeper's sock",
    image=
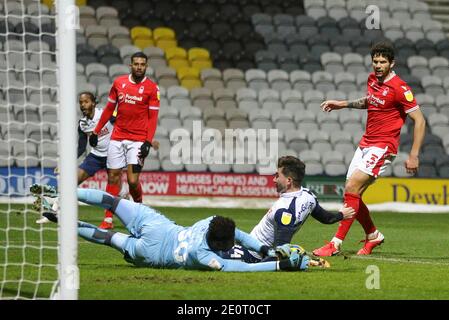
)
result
[(136, 193), (352, 200), (114, 190), (96, 235), (364, 218)]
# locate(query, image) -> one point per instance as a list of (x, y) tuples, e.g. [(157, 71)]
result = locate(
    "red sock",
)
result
[(364, 218), (113, 189), (136, 193), (352, 200)]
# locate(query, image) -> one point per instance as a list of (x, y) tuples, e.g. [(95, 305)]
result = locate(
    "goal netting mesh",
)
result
[(28, 148)]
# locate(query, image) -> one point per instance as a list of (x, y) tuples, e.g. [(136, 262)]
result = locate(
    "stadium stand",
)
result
[(240, 64)]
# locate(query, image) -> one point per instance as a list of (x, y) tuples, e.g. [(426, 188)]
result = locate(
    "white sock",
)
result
[(337, 242), (373, 235)]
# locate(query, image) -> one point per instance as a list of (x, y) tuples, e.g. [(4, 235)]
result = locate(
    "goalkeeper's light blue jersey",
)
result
[(156, 241)]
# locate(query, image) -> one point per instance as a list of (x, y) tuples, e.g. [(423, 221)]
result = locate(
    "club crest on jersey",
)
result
[(408, 95), (123, 85), (141, 90), (286, 218), (121, 97), (385, 92)]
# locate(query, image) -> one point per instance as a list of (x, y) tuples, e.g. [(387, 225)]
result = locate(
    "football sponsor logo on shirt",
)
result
[(375, 101), (132, 99), (286, 218), (408, 95)]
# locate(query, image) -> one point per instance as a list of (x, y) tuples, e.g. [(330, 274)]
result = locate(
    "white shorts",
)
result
[(372, 161), (123, 153)]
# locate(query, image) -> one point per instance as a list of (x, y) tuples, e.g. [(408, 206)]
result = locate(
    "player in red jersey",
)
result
[(137, 100), (389, 100)]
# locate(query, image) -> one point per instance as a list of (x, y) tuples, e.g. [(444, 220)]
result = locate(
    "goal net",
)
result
[(30, 250)]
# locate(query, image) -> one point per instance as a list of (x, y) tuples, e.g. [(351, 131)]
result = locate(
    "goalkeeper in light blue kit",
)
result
[(156, 241)]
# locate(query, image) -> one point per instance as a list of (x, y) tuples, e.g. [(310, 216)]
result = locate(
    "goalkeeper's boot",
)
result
[(329, 249), (106, 224), (48, 216), (370, 244), (43, 190)]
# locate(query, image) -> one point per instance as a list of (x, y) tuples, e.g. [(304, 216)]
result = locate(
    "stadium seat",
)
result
[(234, 79), (256, 79), (87, 16), (166, 77), (439, 67), (27, 113), (211, 78), (119, 36), (108, 54), (85, 54), (278, 80), (97, 73), (142, 37), (96, 35), (127, 51), (432, 85), (301, 80), (116, 70), (107, 16), (201, 97)]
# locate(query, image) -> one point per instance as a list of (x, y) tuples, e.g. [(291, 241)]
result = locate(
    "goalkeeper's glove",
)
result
[(144, 149), (93, 140), (283, 251), (295, 262), (266, 251)]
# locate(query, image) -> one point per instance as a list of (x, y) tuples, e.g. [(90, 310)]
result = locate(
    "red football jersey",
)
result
[(136, 103), (388, 104)]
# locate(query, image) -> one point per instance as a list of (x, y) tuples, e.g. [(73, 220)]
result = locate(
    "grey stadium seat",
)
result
[(301, 80)]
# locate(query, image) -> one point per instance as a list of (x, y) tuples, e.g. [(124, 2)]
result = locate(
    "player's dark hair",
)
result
[(139, 54), (292, 168), (221, 234), (384, 49), (91, 96)]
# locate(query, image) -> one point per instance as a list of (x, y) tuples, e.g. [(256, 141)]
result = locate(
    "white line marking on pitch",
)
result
[(400, 260)]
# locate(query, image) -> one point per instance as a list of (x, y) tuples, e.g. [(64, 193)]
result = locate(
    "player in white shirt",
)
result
[(289, 212), (96, 159)]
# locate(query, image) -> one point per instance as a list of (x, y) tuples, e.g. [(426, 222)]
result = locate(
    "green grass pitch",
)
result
[(413, 262)]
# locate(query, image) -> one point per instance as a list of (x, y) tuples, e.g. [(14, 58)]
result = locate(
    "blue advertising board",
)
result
[(15, 182)]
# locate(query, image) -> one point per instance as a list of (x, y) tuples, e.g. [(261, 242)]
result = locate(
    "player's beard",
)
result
[(138, 77), (384, 75), (280, 187)]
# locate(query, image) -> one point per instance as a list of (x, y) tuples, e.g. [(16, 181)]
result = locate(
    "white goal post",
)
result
[(38, 132), (67, 23)]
